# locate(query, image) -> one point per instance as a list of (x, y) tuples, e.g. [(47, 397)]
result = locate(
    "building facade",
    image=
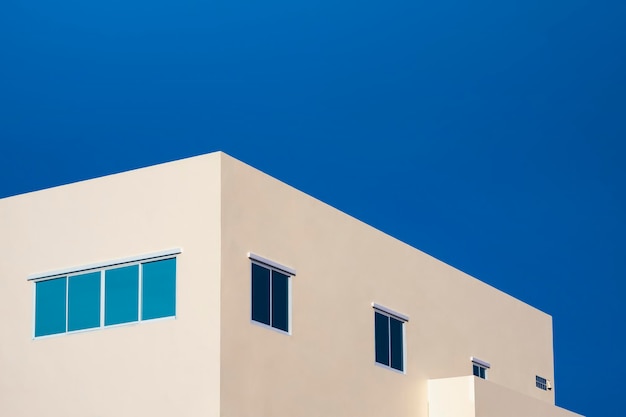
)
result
[(203, 287)]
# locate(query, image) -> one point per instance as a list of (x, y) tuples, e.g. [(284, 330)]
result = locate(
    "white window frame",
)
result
[(101, 267), (280, 268), (480, 364), (400, 317)]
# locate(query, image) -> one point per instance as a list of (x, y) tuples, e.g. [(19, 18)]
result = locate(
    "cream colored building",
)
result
[(278, 306)]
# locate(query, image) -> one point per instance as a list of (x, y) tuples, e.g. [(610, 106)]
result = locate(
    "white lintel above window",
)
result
[(98, 265), (270, 263), (480, 362), (383, 309)]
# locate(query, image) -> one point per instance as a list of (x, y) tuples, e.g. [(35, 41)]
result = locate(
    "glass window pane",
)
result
[(84, 301), (482, 372), (260, 294), (475, 370), (50, 306), (280, 301), (158, 289), (121, 295), (397, 357), (381, 324)]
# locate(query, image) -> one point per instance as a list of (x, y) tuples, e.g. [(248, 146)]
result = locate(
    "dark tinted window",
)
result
[(479, 371), (381, 323), (541, 383), (270, 297), (397, 344), (260, 294), (280, 301), (389, 340)]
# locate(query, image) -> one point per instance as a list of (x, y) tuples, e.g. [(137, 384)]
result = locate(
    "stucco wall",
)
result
[(474, 397), (326, 366), (161, 368), (452, 397), (211, 360), (493, 400)]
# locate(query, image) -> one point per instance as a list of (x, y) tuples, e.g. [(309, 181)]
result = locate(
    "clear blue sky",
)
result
[(490, 134)]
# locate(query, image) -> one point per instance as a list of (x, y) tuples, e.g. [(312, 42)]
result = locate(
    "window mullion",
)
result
[(389, 334), (102, 277), (271, 297), (140, 283), (67, 302)]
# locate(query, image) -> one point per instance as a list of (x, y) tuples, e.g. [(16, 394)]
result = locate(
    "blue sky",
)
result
[(489, 134)]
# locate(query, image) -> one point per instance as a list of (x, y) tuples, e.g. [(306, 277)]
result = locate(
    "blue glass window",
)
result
[(50, 306), (83, 301), (158, 289), (106, 297), (121, 295), (270, 297), (389, 341)]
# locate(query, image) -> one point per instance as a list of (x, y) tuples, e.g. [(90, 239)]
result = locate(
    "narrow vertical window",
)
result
[(50, 306), (83, 301), (260, 294), (397, 344), (158, 289), (121, 295), (389, 337), (280, 301), (381, 324)]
